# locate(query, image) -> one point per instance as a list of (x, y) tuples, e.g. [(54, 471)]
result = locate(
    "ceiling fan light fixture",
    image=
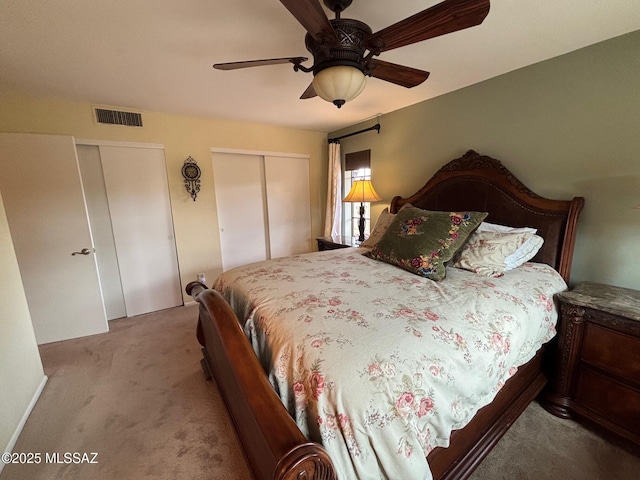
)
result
[(339, 84)]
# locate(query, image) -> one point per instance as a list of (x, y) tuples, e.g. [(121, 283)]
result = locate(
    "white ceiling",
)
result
[(156, 55)]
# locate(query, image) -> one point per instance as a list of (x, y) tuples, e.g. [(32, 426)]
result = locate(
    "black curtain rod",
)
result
[(337, 139)]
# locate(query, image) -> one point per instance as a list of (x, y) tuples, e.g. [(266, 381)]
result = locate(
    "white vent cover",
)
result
[(117, 117)]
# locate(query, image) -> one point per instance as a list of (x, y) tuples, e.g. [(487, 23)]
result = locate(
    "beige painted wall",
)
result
[(195, 223), (21, 372), (569, 126)]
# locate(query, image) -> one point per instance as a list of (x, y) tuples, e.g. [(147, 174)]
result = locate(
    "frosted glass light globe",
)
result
[(339, 84)]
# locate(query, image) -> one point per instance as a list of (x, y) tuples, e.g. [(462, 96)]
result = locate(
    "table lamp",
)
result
[(362, 191)]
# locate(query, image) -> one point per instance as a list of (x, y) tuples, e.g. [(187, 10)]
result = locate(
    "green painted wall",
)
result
[(569, 126)]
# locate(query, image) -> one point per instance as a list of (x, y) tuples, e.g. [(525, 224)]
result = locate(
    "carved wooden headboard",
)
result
[(477, 182)]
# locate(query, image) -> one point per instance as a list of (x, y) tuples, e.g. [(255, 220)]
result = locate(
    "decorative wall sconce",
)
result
[(191, 174)]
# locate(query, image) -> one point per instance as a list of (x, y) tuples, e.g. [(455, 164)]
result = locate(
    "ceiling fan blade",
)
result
[(446, 17), (311, 16), (398, 74), (259, 63), (309, 93)]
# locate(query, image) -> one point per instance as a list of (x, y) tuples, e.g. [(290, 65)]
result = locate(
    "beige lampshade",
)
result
[(362, 191), (339, 84)]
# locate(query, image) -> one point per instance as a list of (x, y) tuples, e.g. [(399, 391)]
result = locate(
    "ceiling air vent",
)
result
[(116, 117)]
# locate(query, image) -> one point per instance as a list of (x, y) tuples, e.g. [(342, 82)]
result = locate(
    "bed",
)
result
[(269, 415)]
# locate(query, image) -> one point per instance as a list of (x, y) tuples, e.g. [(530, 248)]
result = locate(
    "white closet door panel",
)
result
[(238, 181), (42, 192), (288, 204), (138, 195), (100, 221)]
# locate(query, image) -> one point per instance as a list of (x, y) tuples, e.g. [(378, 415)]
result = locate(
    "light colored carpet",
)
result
[(137, 397), (539, 446)]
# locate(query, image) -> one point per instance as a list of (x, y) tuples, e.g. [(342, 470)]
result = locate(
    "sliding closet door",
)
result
[(138, 197), (238, 181), (43, 197), (263, 205), (287, 187)]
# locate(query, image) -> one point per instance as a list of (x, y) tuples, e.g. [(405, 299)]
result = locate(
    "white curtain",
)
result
[(332, 222)]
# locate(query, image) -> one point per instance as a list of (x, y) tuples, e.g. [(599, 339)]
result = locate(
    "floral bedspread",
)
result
[(380, 365)]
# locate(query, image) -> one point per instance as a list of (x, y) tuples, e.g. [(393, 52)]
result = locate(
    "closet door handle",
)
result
[(84, 251)]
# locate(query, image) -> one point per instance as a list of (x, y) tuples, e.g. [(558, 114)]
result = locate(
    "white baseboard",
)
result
[(23, 420)]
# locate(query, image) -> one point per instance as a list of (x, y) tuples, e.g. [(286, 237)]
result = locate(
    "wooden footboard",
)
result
[(274, 446)]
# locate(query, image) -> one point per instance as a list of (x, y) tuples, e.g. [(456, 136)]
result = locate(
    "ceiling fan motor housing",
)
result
[(349, 50)]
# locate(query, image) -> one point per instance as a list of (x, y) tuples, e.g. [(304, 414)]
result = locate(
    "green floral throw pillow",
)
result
[(422, 241)]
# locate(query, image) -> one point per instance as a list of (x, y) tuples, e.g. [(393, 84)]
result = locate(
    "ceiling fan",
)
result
[(343, 49)]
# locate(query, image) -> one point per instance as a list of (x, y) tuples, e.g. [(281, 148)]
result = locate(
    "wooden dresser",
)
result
[(597, 371)]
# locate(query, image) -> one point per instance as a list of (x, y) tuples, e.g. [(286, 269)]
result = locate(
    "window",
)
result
[(357, 166)]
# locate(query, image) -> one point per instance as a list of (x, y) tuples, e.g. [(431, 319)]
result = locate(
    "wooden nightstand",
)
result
[(331, 243), (597, 371)]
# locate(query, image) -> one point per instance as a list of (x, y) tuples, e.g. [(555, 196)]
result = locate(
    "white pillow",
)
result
[(383, 222), (492, 227), (527, 250), (525, 253), (486, 252)]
